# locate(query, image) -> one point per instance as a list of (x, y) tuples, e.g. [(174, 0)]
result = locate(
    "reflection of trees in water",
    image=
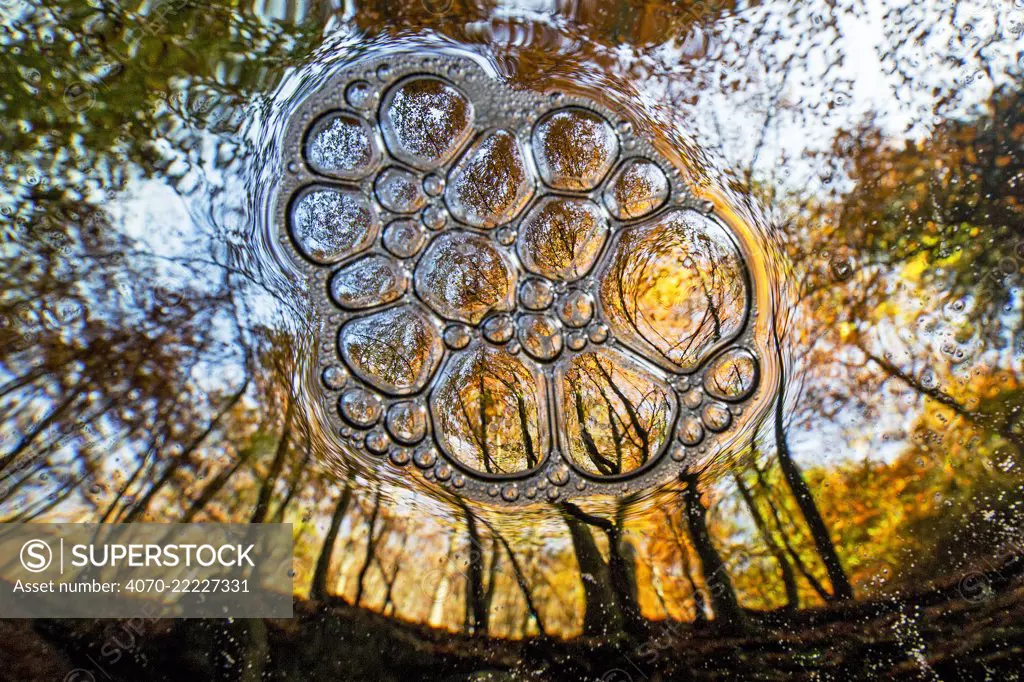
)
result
[(488, 403), (675, 288), (619, 418), (489, 184), (464, 277), (125, 396), (562, 237)]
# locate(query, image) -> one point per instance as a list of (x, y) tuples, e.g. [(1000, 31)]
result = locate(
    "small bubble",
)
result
[(434, 217), (598, 333), (335, 377), (359, 95), (377, 442), (400, 456), (507, 236), (693, 398), (425, 457), (536, 294), (716, 417), (457, 336), (576, 341), (499, 328), (433, 184), (559, 475)]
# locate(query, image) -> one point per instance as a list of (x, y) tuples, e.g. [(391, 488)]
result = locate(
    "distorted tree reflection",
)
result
[(616, 417), (489, 406), (139, 385)]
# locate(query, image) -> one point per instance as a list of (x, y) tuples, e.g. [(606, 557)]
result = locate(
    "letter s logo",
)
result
[(36, 556)]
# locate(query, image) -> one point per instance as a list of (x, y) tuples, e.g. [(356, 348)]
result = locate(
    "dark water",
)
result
[(161, 359)]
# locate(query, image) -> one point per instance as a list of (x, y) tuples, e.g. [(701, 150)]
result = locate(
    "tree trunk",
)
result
[(476, 608), (517, 570), (601, 614), (785, 569), (318, 587), (793, 554), (371, 543), (841, 588), (259, 514), (727, 610), (622, 566)]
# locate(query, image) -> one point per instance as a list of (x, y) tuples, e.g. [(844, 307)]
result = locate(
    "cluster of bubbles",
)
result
[(517, 295)]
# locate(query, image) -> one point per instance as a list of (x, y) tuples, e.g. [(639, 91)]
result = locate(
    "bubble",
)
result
[(370, 281), (842, 268), (399, 456), (491, 183), (360, 407), (434, 217), (443, 471), (425, 457), (716, 416), (342, 146), (407, 422), (489, 411), (576, 308), (561, 237), (425, 121), (455, 374), (574, 148), (536, 294), (377, 442), (396, 350), (359, 95), (404, 238), (732, 375), (433, 184), (674, 289), (506, 236), (457, 336), (541, 336), (690, 431), (559, 475), (399, 191), (499, 329), (598, 333), (329, 224), (615, 416), (636, 189), (465, 277), (576, 340), (335, 377), (693, 398)]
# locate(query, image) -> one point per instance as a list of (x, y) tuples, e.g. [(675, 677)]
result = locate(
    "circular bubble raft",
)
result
[(518, 298)]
